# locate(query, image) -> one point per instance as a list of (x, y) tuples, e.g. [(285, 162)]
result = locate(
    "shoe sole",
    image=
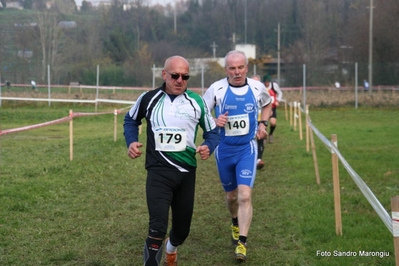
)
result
[(240, 257)]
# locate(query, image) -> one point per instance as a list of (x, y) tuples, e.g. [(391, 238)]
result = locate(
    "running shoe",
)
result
[(260, 164), (241, 251), (270, 138), (170, 258)]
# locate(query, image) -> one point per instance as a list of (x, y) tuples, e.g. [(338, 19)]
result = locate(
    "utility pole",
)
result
[(371, 48), (138, 37), (174, 18), (278, 53), (245, 21), (234, 40), (214, 49)]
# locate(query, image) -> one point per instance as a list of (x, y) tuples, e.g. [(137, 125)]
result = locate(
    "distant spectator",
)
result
[(337, 85), (8, 85), (33, 85), (366, 85)]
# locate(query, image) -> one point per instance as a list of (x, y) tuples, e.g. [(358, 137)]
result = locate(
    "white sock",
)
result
[(170, 248)]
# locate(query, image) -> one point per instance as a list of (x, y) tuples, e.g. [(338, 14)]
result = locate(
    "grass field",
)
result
[(92, 210)]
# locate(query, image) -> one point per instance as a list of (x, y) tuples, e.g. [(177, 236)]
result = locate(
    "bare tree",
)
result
[(50, 40), (24, 37), (140, 76), (66, 7), (316, 37)]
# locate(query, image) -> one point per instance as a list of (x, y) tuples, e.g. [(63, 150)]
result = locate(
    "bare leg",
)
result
[(245, 209), (232, 203)]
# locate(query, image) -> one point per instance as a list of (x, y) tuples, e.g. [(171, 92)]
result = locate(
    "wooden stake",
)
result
[(295, 115), (290, 113), (286, 113), (337, 197), (115, 123), (395, 226), (300, 121), (71, 135), (316, 166), (307, 127)]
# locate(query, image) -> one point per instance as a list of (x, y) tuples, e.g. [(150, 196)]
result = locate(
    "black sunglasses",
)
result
[(177, 76)]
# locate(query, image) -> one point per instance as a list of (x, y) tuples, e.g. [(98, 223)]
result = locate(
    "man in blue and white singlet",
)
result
[(235, 101)]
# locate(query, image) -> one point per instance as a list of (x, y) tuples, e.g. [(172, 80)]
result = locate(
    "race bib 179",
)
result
[(170, 139)]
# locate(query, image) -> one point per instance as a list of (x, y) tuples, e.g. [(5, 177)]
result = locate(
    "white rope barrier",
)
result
[(68, 100), (368, 194), (61, 120), (14, 130), (77, 114)]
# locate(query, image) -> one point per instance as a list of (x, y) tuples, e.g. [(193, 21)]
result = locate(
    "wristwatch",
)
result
[(263, 122)]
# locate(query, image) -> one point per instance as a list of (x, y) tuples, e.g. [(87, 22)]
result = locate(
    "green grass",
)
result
[(92, 210)]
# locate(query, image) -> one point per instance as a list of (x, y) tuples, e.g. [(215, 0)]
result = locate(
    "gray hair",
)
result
[(235, 52)]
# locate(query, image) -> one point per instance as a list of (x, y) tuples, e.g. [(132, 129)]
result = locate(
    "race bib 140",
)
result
[(237, 125)]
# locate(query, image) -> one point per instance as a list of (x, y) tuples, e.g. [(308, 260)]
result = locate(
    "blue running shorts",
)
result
[(236, 164)]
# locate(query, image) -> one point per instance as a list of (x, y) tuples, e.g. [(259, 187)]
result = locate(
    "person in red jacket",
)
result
[(261, 142), (277, 95)]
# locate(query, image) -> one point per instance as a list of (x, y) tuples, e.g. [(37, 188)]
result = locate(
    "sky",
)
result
[(152, 2), (162, 2)]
